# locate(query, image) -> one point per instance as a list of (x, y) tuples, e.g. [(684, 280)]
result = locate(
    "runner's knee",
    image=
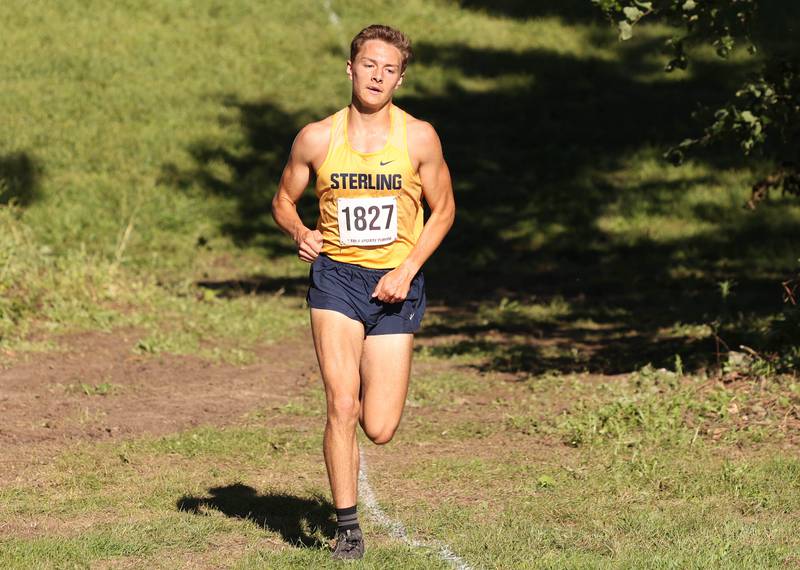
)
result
[(380, 435), (343, 407)]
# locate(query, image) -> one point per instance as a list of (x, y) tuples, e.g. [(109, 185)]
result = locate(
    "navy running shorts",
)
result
[(347, 289)]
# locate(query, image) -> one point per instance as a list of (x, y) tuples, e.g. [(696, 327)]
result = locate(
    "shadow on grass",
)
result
[(19, 179), (570, 11), (535, 177), (257, 285), (294, 518), (569, 349), (255, 164), (534, 162)]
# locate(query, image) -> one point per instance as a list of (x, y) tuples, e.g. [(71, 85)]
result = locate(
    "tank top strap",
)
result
[(338, 128), (397, 136)]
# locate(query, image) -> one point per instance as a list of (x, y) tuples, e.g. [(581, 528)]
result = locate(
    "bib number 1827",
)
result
[(367, 221)]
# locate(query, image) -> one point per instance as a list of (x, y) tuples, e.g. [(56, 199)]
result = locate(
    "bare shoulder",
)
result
[(424, 146), (311, 143), (313, 139), (421, 134)]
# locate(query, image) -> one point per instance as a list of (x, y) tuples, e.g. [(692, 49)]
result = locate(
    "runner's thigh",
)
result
[(385, 368), (338, 340)]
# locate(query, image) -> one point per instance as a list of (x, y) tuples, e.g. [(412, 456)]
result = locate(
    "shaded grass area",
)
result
[(19, 179), (555, 146), (576, 204)]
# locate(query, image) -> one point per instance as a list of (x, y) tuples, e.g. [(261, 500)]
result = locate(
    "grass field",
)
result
[(573, 403)]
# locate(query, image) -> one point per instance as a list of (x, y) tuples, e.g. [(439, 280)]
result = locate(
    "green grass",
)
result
[(442, 388), (695, 511), (101, 389), (138, 501), (494, 490), (640, 477), (55, 294), (650, 412), (651, 470), (199, 323)]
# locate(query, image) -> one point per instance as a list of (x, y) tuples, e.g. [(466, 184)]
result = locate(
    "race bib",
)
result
[(367, 221)]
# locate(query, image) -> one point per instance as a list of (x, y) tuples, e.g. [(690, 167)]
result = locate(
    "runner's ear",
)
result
[(400, 81), (350, 69)]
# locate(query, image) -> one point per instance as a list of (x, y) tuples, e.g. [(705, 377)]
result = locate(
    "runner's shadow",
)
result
[(299, 521)]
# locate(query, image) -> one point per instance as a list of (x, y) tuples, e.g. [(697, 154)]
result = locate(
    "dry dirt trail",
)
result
[(44, 406)]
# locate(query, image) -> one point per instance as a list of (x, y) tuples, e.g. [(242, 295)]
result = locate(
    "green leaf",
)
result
[(748, 117), (632, 13), (689, 5), (724, 46), (607, 5), (625, 30)]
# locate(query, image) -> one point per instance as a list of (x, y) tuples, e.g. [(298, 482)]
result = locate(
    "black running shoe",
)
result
[(349, 545)]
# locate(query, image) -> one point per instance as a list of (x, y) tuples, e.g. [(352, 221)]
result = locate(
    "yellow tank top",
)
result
[(370, 208)]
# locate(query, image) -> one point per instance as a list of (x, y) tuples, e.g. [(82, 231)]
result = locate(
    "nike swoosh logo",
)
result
[(387, 162)]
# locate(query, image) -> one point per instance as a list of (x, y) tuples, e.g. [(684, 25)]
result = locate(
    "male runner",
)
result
[(373, 164)]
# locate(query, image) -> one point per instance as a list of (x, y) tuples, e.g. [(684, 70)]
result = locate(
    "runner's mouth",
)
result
[(374, 89)]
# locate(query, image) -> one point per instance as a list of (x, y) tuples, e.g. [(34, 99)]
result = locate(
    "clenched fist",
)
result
[(393, 286), (309, 244)]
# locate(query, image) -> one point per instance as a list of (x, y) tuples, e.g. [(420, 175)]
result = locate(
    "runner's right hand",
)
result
[(309, 244)]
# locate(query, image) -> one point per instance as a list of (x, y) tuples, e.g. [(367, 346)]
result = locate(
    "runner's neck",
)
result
[(368, 132), (368, 121)]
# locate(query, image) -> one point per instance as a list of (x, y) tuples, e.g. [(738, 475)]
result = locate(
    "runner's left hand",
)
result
[(393, 287)]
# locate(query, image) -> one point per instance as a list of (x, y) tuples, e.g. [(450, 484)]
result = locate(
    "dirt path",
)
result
[(98, 388)]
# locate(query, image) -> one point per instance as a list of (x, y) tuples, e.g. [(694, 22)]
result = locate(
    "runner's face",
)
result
[(376, 72)]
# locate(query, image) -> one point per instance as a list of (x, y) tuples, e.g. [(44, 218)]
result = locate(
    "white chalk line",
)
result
[(332, 16), (336, 22), (396, 528)]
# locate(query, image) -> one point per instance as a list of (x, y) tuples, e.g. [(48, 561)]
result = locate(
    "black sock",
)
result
[(346, 519)]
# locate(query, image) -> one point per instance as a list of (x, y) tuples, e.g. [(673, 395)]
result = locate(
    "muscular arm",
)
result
[(308, 145), (437, 188)]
